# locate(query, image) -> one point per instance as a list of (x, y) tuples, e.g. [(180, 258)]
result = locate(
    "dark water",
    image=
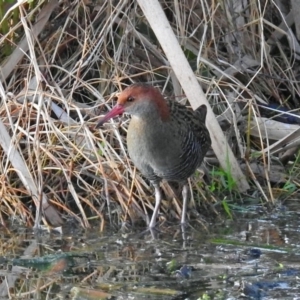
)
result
[(254, 256)]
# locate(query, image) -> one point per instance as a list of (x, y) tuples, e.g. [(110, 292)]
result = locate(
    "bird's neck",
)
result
[(150, 111), (148, 120), (147, 136)]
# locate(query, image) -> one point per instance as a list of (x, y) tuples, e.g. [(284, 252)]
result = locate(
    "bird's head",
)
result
[(139, 100)]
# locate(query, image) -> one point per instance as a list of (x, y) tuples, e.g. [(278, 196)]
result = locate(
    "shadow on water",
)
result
[(252, 257)]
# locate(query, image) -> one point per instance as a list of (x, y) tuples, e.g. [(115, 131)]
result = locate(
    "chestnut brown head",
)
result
[(138, 100)]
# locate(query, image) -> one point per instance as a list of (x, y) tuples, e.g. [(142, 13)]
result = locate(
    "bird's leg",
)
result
[(157, 204), (185, 194)]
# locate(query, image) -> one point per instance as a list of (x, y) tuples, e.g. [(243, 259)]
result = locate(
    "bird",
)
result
[(165, 139)]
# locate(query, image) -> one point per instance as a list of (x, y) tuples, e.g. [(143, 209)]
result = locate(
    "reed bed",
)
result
[(61, 66)]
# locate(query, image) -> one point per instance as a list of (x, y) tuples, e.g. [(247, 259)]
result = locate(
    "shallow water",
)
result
[(254, 257)]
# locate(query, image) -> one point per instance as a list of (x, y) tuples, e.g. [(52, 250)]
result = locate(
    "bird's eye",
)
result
[(130, 99)]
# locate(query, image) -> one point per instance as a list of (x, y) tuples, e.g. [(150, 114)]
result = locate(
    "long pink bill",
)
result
[(116, 111)]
